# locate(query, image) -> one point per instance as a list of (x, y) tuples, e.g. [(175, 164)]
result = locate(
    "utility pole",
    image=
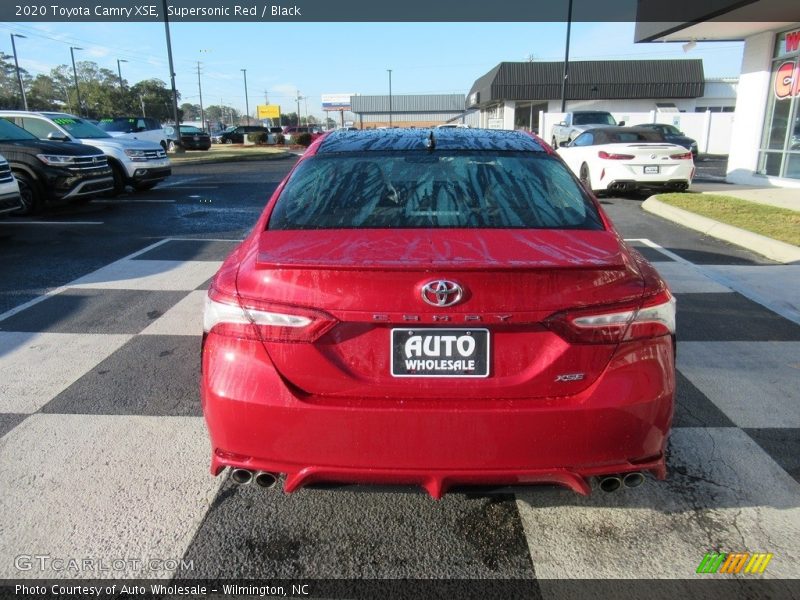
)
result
[(200, 90), (390, 96), (119, 72), (141, 99), (75, 75), (246, 100), (298, 98), (566, 61), (16, 64), (177, 140)]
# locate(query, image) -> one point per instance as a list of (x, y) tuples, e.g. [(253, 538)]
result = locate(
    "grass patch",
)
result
[(777, 223), (228, 153)]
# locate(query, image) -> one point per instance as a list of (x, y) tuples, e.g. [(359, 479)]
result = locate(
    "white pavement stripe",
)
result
[(754, 383), (185, 318), (149, 275), (111, 487), (723, 492), (38, 366), (62, 288), (182, 181), (683, 279), (736, 284)]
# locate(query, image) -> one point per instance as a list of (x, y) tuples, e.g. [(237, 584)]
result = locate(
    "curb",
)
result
[(773, 249), (230, 159)]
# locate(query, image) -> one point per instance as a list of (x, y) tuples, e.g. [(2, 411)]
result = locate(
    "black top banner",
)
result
[(643, 11)]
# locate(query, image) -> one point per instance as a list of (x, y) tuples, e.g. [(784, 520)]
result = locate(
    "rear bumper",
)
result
[(629, 185), (10, 202), (619, 424)]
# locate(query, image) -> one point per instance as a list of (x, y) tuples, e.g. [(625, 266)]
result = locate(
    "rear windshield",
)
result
[(628, 137), (478, 189), (118, 125), (593, 118), (191, 129)]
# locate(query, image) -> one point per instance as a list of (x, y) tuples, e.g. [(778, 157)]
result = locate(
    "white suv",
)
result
[(137, 163), (139, 128)]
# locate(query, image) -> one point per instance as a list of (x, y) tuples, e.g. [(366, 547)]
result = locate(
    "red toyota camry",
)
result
[(443, 309)]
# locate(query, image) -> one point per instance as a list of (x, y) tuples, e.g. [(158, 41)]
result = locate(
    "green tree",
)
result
[(191, 112), (156, 98), (9, 87)]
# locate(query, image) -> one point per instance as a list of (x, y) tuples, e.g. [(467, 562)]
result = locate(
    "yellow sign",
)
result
[(268, 111)]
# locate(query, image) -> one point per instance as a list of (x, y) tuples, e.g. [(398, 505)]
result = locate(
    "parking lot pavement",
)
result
[(105, 453)]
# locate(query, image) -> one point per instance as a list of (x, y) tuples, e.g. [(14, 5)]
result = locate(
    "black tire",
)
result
[(163, 145), (171, 145), (143, 187), (585, 178), (119, 181), (228, 141), (31, 193)]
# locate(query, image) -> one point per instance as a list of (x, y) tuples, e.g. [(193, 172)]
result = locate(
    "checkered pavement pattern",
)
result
[(104, 453)]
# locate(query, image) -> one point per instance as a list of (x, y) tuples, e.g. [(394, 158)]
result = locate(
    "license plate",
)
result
[(651, 170), (196, 138), (421, 352)]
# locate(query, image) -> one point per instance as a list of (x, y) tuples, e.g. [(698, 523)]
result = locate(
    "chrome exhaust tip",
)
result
[(242, 476), (633, 480), (265, 479), (610, 483)]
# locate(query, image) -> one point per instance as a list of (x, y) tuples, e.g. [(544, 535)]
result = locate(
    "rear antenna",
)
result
[(431, 142)]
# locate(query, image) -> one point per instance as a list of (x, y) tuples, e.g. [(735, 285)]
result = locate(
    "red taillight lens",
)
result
[(683, 156), (607, 156), (613, 324), (257, 320)]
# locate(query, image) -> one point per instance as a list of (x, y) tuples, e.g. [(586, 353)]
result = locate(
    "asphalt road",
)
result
[(103, 450)]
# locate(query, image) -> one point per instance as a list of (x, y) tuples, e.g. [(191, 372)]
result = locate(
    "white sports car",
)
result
[(623, 159)]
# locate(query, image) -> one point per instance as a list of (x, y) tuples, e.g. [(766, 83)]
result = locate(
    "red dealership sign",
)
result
[(787, 80)]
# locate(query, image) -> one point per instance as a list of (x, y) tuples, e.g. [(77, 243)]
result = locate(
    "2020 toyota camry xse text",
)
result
[(446, 309)]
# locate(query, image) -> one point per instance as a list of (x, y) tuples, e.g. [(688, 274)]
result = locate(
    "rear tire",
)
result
[(31, 194)]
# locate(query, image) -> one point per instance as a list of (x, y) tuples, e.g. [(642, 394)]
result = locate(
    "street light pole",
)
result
[(390, 96), (566, 61), (119, 72), (177, 141), (200, 90), (246, 100), (75, 75), (298, 98), (16, 64)]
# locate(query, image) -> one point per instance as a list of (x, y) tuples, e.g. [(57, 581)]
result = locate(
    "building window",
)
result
[(779, 155)]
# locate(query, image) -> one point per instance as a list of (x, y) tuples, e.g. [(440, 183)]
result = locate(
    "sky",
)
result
[(326, 58)]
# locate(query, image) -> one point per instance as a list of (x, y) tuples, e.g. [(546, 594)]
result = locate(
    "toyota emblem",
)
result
[(442, 293)]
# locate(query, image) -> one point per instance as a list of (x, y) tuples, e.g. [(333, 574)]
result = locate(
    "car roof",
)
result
[(618, 129), (447, 138)]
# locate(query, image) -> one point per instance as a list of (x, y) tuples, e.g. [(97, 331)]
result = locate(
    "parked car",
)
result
[(453, 126), (293, 130), (575, 123), (137, 163), (673, 135), (139, 128), (236, 135), (194, 138), (10, 199), (440, 309), (52, 172), (625, 159)]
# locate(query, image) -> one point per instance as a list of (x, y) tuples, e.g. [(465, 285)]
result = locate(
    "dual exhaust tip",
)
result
[(611, 483), (263, 479)]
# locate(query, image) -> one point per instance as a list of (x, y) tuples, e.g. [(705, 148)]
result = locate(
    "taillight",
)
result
[(610, 156), (256, 320), (613, 324), (682, 156)]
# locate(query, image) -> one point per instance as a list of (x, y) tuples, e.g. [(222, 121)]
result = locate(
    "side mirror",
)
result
[(562, 124), (55, 136), (621, 123)]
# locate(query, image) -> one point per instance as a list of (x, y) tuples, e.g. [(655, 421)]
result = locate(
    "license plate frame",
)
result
[(652, 169), (481, 353)]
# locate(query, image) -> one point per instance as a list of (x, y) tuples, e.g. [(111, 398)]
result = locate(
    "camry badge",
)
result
[(442, 293)]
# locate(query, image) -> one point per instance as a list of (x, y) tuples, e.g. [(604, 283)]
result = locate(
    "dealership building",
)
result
[(765, 138), (513, 94), (406, 110)]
